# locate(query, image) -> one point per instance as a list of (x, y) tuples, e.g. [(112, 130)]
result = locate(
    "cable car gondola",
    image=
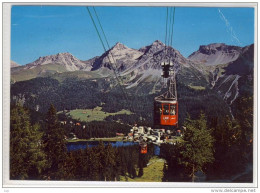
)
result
[(165, 111), (143, 148)]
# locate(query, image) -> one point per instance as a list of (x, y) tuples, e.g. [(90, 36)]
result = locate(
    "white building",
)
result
[(141, 129)]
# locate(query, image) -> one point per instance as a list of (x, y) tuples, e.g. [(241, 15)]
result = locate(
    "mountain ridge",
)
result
[(70, 62), (137, 66), (216, 53)]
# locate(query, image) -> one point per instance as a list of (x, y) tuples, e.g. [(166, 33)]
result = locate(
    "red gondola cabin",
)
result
[(165, 112), (143, 147)]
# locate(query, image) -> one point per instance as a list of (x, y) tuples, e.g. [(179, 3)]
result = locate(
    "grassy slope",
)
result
[(56, 71), (75, 74), (27, 74), (152, 173), (95, 114)]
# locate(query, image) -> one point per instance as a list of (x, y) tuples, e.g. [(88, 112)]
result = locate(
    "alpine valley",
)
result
[(214, 79)]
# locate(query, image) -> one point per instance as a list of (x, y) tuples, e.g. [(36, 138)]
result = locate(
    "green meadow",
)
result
[(95, 114)]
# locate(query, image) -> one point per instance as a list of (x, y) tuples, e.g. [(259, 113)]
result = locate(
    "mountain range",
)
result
[(218, 68)]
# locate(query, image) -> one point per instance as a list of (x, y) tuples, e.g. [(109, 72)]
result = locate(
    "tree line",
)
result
[(40, 153)]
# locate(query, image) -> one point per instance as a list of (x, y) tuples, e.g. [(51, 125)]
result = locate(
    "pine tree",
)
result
[(55, 147), (118, 167), (38, 161), (141, 163), (110, 163), (197, 150), (230, 145), (141, 172), (93, 165), (27, 159), (101, 159), (174, 167), (69, 168), (80, 164)]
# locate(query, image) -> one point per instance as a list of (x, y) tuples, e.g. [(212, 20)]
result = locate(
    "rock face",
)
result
[(120, 56), (14, 64), (214, 54), (228, 83), (148, 67), (153, 48), (70, 62), (154, 54)]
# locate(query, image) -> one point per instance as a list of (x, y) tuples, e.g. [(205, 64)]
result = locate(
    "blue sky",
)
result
[(46, 30)]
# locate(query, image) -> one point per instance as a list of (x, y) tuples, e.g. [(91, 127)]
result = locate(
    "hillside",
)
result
[(23, 73), (201, 87)]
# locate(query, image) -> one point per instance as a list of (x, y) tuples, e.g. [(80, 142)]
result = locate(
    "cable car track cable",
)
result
[(96, 29), (172, 25), (103, 45), (105, 38), (166, 30)]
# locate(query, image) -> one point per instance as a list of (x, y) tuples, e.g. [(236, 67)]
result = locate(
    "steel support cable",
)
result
[(104, 37), (105, 49), (172, 92), (114, 68), (96, 29), (169, 28), (173, 84), (101, 27), (166, 30), (172, 25)]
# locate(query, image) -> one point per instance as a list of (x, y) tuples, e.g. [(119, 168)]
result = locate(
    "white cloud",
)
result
[(229, 28)]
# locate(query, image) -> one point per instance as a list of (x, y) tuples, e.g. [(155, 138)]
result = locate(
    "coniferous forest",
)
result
[(206, 148), (44, 151)]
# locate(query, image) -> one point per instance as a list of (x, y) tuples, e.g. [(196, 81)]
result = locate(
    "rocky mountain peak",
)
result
[(119, 46), (156, 46), (213, 48), (65, 59), (216, 53), (14, 64), (158, 43), (120, 55)]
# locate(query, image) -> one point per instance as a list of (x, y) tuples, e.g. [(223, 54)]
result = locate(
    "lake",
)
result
[(72, 146)]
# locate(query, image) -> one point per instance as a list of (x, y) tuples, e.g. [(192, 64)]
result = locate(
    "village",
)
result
[(137, 134), (155, 136)]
